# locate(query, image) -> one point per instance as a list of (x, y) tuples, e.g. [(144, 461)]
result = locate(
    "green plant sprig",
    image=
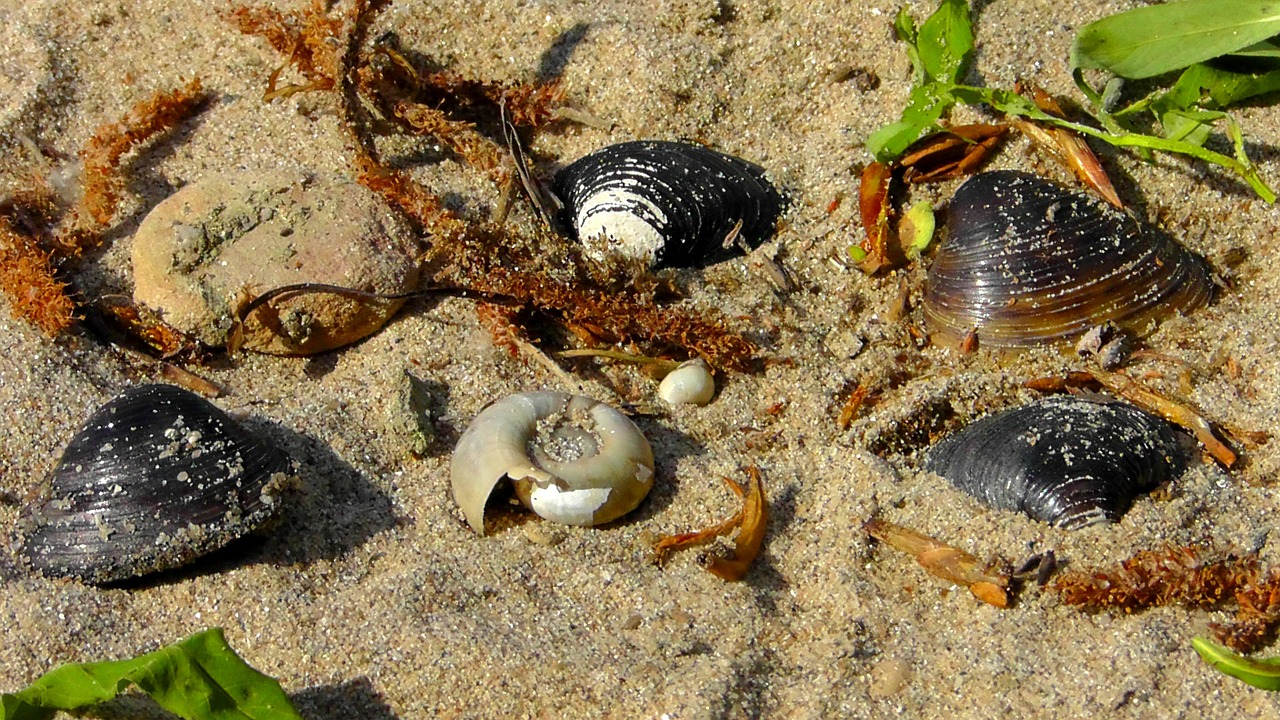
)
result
[(941, 51), (200, 678), (1264, 674)]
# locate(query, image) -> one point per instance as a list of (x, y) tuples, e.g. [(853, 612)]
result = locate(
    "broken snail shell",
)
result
[(572, 460), (1067, 461), (1028, 262), (157, 477), (691, 383), (670, 204)]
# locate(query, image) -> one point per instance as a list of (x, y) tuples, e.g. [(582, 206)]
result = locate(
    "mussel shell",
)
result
[(672, 204), (1068, 461), (1028, 262), (156, 477)]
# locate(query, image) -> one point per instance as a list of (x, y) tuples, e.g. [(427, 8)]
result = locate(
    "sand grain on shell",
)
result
[(373, 599)]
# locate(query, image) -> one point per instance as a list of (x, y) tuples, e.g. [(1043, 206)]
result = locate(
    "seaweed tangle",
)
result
[(39, 238), (1189, 577), (386, 91)]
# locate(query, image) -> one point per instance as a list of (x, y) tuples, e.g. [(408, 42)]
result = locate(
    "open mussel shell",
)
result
[(155, 478), (1068, 461), (1029, 262), (671, 204)]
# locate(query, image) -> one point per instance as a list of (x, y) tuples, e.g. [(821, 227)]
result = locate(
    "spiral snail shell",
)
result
[(1028, 262), (572, 460)]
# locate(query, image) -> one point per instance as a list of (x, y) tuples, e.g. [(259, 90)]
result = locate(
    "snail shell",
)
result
[(572, 460), (671, 204), (1029, 262), (691, 383), (1067, 461), (155, 478)]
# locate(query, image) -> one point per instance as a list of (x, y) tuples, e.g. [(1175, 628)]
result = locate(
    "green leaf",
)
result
[(1223, 87), (200, 678), (941, 50), (920, 117), (1156, 39), (1269, 49), (945, 42), (1193, 126), (1263, 674)]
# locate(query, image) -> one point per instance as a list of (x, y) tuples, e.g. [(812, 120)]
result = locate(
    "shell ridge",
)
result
[(1027, 261), (1071, 461)]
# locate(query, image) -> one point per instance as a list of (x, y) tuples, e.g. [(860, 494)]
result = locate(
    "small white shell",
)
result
[(689, 384), (572, 460)]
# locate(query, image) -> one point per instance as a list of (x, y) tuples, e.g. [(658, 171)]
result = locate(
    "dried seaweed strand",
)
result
[(1186, 576), (28, 266), (1256, 619), (304, 38), (460, 136), (622, 316), (28, 276), (103, 175), (467, 252)]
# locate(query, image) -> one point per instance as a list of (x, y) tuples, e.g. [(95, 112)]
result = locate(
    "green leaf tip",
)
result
[(1264, 674), (200, 678)]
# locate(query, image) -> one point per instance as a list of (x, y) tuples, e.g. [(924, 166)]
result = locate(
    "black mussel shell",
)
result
[(1029, 262), (155, 478), (672, 204), (1068, 461)]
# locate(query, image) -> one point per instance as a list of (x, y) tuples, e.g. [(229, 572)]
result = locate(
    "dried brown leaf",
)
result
[(751, 522), (945, 561)]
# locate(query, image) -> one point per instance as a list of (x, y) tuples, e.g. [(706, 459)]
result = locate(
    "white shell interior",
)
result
[(607, 231)]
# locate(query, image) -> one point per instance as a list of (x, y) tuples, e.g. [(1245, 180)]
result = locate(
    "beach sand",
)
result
[(372, 599)]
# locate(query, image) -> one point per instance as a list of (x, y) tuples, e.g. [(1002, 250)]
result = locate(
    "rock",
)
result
[(889, 677), (218, 242)]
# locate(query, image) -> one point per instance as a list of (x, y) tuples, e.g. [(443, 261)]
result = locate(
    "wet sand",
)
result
[(373, 599)]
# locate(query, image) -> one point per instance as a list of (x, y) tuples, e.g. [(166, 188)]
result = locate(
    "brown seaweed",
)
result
[(1192, 577)]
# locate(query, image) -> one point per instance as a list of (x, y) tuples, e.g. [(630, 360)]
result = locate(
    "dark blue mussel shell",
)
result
[(155, 478), (1067, 461), (672, 204)]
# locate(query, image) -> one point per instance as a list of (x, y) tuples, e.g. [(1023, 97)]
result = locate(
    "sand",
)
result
[(372, 598)]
